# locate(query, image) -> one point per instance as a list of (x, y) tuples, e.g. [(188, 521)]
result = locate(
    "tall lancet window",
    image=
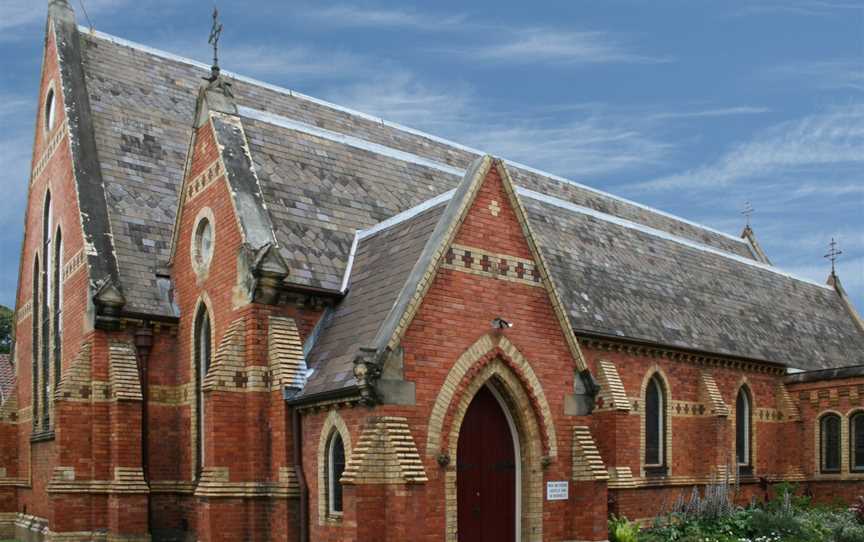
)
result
[(47, 295), (335, 469), (743, 428), (37, 276), (856, 442), (57, 301), (202, 352), (655, 424), (829, 442)]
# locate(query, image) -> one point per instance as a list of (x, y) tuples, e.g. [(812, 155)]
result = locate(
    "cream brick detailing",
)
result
[(621, 477), (478, 350), (229, 362), (215, 482), (172, 395), (786, 405), (333, 423), (126, 480), (285, 349), (710, 395), (587, 463), (24, 311), (74, 264), (9, 409), (612, 390), (75, 381), (123, 371), (385, 454), (183, 487)]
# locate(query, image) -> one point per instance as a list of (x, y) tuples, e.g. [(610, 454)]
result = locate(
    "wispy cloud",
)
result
[(19, 13), (718, 112), (843, 74), (551, 46), (797, 7), (352, 16), (588, 141), (832, 139)]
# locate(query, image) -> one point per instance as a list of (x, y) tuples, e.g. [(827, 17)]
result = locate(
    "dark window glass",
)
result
[(337, 467), (830, 443), (857, 430), (742, 428), (35, 317), (58, 302), (201, 366), (45, 313), (654, 423)]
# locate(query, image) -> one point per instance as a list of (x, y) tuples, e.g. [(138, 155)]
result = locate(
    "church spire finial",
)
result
[(215, 34), (61, 10), (748, 212), (833, 254)]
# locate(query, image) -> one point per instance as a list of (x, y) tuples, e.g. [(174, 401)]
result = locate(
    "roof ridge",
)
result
[(378, 120), (570, 206)]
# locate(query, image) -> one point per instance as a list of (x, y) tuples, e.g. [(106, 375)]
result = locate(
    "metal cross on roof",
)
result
[(215, 32), (833, 254), (748, 211)]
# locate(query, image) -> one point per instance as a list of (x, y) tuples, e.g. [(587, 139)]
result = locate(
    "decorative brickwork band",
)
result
[(74, 264), (204, 179), (621, 478), (215, 482), (123, 372), (486, 264), (587, 463), (710, 395), (285, 348), (612, 394), (50, 148), (126, 481), (75, 381), (385, 454), (24, 311)]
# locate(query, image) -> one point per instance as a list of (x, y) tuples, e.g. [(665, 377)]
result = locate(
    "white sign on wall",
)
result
[(557, 490)]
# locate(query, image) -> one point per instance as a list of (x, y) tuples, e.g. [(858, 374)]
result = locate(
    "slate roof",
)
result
[(326, 172), (143, 103), (7, 376), (382, 263)]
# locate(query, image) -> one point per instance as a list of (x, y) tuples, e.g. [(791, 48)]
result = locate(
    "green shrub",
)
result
[(623, 530)]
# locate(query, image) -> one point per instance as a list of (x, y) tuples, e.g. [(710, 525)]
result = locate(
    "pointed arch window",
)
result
[(856, 442), (655, 426), (335, 468), (743, 428), (45, 312), (202, 354), (829, 443), (57, 302), (50, 110), (37, 277)]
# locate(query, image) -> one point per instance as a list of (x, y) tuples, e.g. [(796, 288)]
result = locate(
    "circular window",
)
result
[(49, 110), (203, 243)]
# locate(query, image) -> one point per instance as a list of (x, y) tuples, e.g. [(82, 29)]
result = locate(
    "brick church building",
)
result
[(247, 314)]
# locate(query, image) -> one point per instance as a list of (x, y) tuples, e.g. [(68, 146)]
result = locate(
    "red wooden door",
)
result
[(486, 473)]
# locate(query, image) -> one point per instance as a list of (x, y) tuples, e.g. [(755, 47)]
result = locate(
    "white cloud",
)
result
[(718, 112), (343, 15), (796, 7), (547, 45), (834, 138), (578, 144)]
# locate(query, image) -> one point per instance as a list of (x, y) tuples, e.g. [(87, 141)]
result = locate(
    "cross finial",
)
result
[(215, 33), (833, 254), (748, 211)]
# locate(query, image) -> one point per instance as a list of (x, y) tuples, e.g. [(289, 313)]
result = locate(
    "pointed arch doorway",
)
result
[(488, 471)]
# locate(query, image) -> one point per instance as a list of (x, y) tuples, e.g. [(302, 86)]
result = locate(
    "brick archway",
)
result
[(487, 349), (507, 385)]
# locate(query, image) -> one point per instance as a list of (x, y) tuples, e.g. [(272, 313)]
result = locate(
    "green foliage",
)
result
[(787, 518), (5, 329), (623, 530)]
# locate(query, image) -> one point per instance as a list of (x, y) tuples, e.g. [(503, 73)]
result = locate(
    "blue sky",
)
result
[(691, 106)]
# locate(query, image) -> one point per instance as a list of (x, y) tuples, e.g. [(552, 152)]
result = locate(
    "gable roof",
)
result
[(326, 172)]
